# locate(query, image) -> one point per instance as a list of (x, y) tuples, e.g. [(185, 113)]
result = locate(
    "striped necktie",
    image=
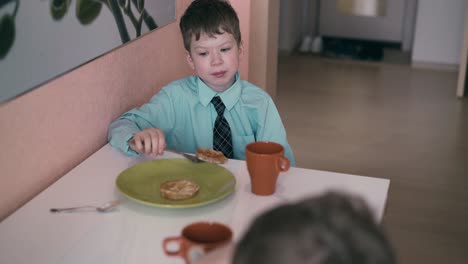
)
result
[(222, 138)]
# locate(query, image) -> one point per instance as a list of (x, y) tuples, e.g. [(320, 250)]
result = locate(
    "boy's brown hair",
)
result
[(212, 17)]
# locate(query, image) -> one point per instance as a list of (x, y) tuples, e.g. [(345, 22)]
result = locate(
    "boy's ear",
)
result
[(241, 51), (189, 60)]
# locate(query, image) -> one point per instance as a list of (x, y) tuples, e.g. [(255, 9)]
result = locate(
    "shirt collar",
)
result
[(229, 97)]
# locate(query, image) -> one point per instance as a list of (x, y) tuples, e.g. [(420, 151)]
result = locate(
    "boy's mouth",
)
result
[(219, 74)]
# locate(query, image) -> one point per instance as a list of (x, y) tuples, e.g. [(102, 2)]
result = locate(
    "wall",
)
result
[(462, 85), (409, 22), (291, 25), (48, 131), (243, 9), (264, 28), (439, 32)]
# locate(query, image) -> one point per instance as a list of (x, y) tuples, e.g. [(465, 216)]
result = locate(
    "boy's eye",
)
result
[(202, 54), (225, 49)]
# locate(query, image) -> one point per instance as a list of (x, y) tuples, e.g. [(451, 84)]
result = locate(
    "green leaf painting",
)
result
[(7, 34), (87, 11), (58, 8), (43, 39), (7, 26)]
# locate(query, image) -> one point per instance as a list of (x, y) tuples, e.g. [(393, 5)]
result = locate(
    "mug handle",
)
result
[(283, 164), (169, 240)]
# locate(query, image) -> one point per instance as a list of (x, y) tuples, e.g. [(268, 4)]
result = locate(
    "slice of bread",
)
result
[(211, 155), (179, 189)]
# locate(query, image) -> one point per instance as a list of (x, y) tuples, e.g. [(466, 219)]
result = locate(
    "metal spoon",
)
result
[(102, 209)]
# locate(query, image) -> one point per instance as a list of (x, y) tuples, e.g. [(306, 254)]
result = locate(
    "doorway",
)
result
[(431, 34), (384, 33), (462, 86)]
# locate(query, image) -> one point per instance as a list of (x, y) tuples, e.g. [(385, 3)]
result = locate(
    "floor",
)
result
[(390, 121)]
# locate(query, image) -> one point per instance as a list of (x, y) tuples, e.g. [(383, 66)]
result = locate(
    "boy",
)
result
[(214, 109)]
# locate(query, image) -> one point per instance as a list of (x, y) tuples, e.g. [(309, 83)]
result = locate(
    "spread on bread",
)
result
[(211, 155), (179, 189)]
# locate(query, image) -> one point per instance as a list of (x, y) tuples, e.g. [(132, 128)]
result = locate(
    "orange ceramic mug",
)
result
[(265, 160), (197, 239)]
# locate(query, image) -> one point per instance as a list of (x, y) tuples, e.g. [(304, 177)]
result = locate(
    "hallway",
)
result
[(388, 121)]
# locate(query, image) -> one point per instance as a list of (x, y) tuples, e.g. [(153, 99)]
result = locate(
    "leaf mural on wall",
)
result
[(36, 36), (58, 8), (7, 34), (86, 12), (118, 7), (7, 28)]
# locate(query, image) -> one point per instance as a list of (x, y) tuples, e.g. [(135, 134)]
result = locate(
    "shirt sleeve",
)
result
[(157, 113), (272, 129)]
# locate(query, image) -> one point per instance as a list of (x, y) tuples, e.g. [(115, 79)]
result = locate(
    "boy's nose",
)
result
[(216, 59)]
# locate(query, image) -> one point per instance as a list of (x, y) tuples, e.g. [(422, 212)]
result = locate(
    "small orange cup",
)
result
[(197, 239)]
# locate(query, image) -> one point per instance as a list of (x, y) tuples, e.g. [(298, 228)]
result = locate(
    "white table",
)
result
[(134, 232)]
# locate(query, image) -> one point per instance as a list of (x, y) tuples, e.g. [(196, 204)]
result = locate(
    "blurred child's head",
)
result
[(210, 29), (332, 228), (212, 17)]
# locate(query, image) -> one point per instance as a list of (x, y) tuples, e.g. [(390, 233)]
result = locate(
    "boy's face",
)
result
[(215, 60)]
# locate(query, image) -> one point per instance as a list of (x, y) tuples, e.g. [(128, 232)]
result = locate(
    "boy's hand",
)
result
[(149, 141)]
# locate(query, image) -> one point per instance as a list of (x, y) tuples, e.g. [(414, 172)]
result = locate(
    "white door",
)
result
[(462, 89), (388, 26)]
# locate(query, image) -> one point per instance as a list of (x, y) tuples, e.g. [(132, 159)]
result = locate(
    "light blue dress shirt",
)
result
[(182, 110)]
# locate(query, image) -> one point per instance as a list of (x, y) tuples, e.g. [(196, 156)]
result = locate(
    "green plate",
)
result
[(141, 182)]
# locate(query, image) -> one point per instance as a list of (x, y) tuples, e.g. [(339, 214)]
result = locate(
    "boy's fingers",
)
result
[(133, 145), (161, 142), (150, 141), (154, 144), (162, 148), (148, 144), (138, 146)]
